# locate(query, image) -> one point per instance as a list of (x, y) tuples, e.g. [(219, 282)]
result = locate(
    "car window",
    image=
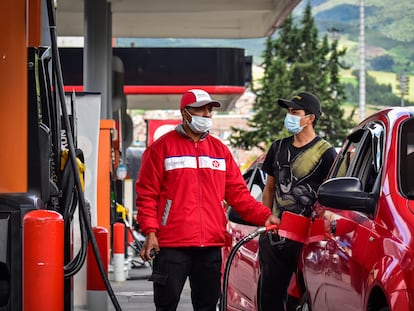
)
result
[(406, 158), (362, 155), (345, 160)]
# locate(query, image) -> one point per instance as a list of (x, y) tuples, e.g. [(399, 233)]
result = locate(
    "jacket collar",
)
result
[(180, 130)]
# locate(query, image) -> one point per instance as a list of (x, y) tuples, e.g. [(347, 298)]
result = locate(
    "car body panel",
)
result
[(244, 271)]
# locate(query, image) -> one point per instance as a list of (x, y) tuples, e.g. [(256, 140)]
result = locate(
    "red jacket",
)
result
[(181, 189)]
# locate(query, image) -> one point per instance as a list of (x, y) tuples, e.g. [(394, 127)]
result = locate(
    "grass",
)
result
[(391, 78), (382, 77)]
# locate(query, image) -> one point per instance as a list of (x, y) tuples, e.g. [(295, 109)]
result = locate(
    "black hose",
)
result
[(68, 209), (223, 301), (72, 155), (76, 264)]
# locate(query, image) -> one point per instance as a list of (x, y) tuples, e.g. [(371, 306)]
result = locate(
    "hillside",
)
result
[(389, 30)]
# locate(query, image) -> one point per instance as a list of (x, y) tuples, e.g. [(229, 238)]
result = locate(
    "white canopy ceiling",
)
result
[(182, 18)]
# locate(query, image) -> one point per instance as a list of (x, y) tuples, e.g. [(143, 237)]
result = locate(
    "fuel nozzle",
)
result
[(260, 230), (153, 253)]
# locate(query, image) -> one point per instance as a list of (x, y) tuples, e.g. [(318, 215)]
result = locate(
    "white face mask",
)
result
[(199, 124)]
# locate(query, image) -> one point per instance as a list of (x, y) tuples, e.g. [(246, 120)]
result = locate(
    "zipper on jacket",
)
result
[(199, 193)]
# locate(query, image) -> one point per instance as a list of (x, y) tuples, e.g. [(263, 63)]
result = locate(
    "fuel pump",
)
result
[(56, 174)]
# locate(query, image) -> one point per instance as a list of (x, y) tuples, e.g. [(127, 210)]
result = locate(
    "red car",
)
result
[(366, 260)]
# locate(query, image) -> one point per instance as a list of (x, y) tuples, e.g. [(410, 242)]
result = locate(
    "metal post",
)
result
[(97, 54), (361, 61)]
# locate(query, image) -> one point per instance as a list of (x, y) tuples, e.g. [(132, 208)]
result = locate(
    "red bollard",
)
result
[(130, 237), (119, 251), (97, 296), (43, 274)]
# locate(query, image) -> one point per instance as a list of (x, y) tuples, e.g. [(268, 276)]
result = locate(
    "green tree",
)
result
[(295, 60)]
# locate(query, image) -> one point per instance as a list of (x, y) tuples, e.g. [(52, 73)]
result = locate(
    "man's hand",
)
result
[(150, 247), (272, 220)]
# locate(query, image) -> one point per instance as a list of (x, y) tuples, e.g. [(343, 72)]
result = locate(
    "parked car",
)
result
[(366, 260)]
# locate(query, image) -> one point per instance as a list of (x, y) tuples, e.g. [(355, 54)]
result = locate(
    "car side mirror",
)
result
[(345, 193)]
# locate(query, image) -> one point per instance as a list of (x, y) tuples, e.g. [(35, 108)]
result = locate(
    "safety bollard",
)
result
[(131, 240), (119, 251), (43, 252), (96, 289)]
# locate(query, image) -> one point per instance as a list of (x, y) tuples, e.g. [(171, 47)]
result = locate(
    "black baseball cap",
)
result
[(304, 100)]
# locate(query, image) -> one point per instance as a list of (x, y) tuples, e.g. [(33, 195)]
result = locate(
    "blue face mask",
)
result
[(292, 123)]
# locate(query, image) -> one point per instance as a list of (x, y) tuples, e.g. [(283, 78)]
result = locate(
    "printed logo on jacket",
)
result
[(206, 162)]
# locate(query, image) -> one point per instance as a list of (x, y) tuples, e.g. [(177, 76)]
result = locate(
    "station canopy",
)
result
[(219, 19)]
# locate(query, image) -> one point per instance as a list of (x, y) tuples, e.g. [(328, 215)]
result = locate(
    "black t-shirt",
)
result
[(293, 167)]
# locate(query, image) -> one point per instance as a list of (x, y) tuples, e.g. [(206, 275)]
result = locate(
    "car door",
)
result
[(342, 271)]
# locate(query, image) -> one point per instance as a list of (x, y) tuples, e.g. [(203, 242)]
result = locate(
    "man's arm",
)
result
[(148, 188), (269, 192)]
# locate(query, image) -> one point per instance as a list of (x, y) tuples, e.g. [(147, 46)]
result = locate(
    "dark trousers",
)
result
[(277, 265), (172, 266)]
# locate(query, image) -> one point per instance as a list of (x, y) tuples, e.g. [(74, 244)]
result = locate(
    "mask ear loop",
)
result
[(188, 112)]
